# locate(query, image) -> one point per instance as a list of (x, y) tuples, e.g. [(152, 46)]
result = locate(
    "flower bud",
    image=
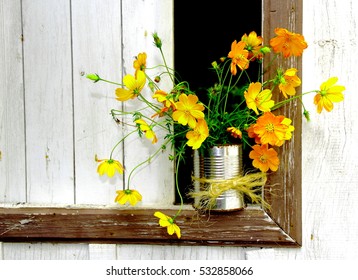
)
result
[(94, 77), (214, 64), (157, 40), (265, 50), (151, 86), (157, 79), (307, 115)]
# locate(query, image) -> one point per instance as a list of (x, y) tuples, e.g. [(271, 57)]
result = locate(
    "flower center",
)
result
[(263, 159), (127, 191), (270, 127), (323, 92)]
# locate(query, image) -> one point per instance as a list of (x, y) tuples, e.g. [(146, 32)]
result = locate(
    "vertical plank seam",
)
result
[(73, 106), (122, 74), (24, 98)]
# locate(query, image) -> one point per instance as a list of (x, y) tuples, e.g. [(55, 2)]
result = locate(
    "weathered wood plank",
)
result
[(251, 227), (12, 123), (48, 99), (283, 190), (177, 252), (96, 32), (45, 251), (140, 19), (102, 251)]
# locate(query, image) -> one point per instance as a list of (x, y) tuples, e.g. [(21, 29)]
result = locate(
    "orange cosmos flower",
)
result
[(272, 129), (253, 45), (188, 110), (134, 86), (239, 56), (197, 136), (109, 167), (149, 133), (288, 43), (131, 196), (168, 222), (288, 82), (141, 62), (328, 94), (264, 158), (257, 99), (235, 132), (252, 134)]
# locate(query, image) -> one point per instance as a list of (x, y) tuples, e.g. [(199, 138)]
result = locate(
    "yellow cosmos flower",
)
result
[(328, 94), (197, 136), (239, 56), (235, 132), (257, 99), (168, 222), (149, 133), (141, 62), (162, 97), (253, 44), (264, 158), (109, 167), (131, 196), (288, 43), (188, 110), (273, 130), (288, 82), (134, 86)]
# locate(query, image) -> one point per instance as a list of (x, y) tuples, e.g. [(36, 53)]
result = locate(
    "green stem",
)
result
[(177, 187), (166, 65), (120, 141), (143, 162), (110, 82), (283, 102)]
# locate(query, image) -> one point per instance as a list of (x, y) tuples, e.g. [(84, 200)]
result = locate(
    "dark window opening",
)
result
[(202, 35)]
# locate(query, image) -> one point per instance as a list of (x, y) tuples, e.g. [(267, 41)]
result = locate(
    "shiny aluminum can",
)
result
[(220, 162)]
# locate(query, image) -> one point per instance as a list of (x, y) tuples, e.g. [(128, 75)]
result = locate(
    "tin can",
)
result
[(220, 162)]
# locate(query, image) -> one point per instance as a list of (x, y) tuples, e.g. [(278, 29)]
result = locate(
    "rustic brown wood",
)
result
[(251, 227), (281, 226), (283, 190)]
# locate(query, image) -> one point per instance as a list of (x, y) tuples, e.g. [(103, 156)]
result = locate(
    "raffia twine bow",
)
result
[(249, 184)]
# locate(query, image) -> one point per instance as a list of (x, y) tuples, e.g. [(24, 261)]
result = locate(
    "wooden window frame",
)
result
[(281, 226)]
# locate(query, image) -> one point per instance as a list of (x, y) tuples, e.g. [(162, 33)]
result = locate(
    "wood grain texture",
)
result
[(155, 181), (283, 190), (95, 22), (12, 107), (252, 227), (45, 251), (48, 99)]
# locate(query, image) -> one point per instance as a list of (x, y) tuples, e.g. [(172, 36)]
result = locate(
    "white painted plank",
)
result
[(1, 251), (48, 97), (155, 252), (45, 251), (12, 131), (140, 19), (96, 49), (102, 251)]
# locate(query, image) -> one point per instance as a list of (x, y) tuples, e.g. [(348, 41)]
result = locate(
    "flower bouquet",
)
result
[(238, 108)]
